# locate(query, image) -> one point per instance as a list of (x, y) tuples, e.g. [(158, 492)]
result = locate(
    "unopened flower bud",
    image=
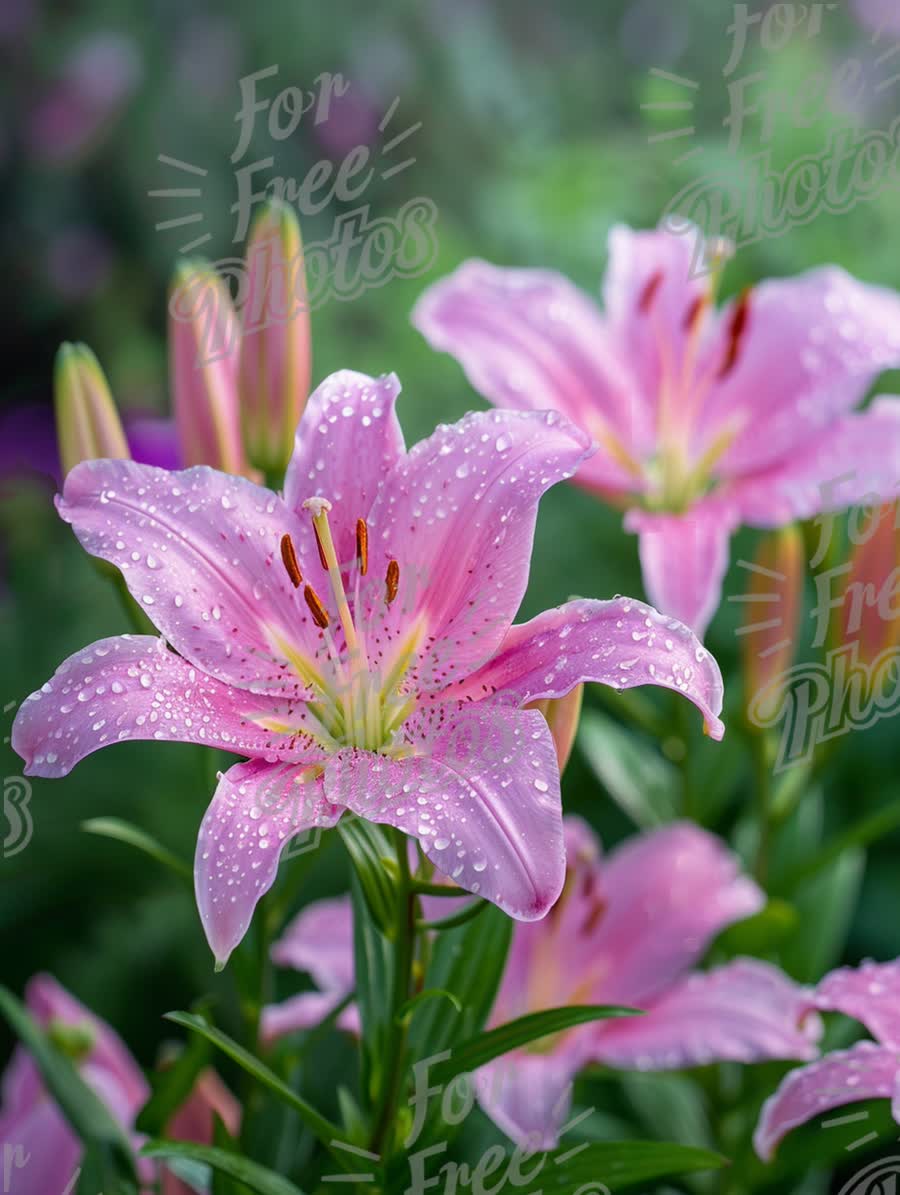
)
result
[(204, 343), (870, 610), (87, 422), (275, 359), (772, 608)]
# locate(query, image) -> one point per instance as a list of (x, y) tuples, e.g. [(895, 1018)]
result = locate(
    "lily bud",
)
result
[(275, 360), (87, 422), (562, 715), (869, 614), (772, 608), (204, 342)]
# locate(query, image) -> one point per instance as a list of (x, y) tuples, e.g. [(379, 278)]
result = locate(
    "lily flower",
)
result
[(867, 1070), (627, 930), (705, 419), (354, 639), (43, 1153)]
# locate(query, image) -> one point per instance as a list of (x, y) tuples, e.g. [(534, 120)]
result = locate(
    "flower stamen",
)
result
[(289, 558), (318, 611), (392, 581), (362, 546)]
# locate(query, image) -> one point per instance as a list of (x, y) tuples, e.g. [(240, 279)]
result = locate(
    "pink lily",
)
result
[(43, 1153), (628, 930), (319, 941), (705, 419), (867, 1070), (395, 692)]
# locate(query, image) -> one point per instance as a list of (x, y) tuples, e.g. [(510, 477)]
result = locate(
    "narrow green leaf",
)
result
[(322, 1128), (469, 913), (475, 1052), (862, 833), (469, 962), (616, 1166), (372, 857), (89, 1117), (632, 771), (373, 964), (251, 1174), (121, 831), (429, 994), (172, 1086)]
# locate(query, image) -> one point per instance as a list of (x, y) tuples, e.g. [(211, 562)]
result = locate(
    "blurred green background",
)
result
[(531, 141)]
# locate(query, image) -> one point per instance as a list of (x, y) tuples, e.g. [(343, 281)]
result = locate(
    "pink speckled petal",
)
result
[(458, 515), (869, 993), (482, 798), (349, 439), (746, 1011), (200, 552), (866, 1071), (257, 808), (623, 643), (133, 687)]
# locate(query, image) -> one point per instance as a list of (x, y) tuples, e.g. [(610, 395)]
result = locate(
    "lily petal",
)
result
[(813, 346), (200, 553), (622, 643), (670, 892), (306, 1011), (747, 1011), (869, 993), (257, 808), (320, 941), (483, 802), (866, 1071), (133, 687), (529, 1096), (348, 440), (458, 514), (856, 461), (530, 340), (684, 559)]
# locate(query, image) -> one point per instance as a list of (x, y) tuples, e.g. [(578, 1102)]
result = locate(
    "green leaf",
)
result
[(121, 831), (322, 1128), (615, 1166), (373, 859), (417, 1001), (97, 1172), (862, 833), (760, 933), (469, 962), (469, 913), (632, 771), (172, 1086), (477, 1051), (373, 963), (669, 1105), (825, 907), (251, 1174), (90, 1119)]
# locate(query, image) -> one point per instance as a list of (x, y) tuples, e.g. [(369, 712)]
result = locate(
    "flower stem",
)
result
[(401, 990)]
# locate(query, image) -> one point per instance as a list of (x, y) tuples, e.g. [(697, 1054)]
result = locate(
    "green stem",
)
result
[(401, 990)]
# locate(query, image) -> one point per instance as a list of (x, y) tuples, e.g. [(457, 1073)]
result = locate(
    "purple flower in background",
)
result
[(880, 16), (705, 419), (354, 638), (97, 80), (868, 1070), (627, 930)]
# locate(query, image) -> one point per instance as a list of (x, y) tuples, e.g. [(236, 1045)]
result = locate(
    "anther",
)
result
[(289, 556), (318, 611), (737, 329), (362, 546), (392, 581), (649, 292)]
